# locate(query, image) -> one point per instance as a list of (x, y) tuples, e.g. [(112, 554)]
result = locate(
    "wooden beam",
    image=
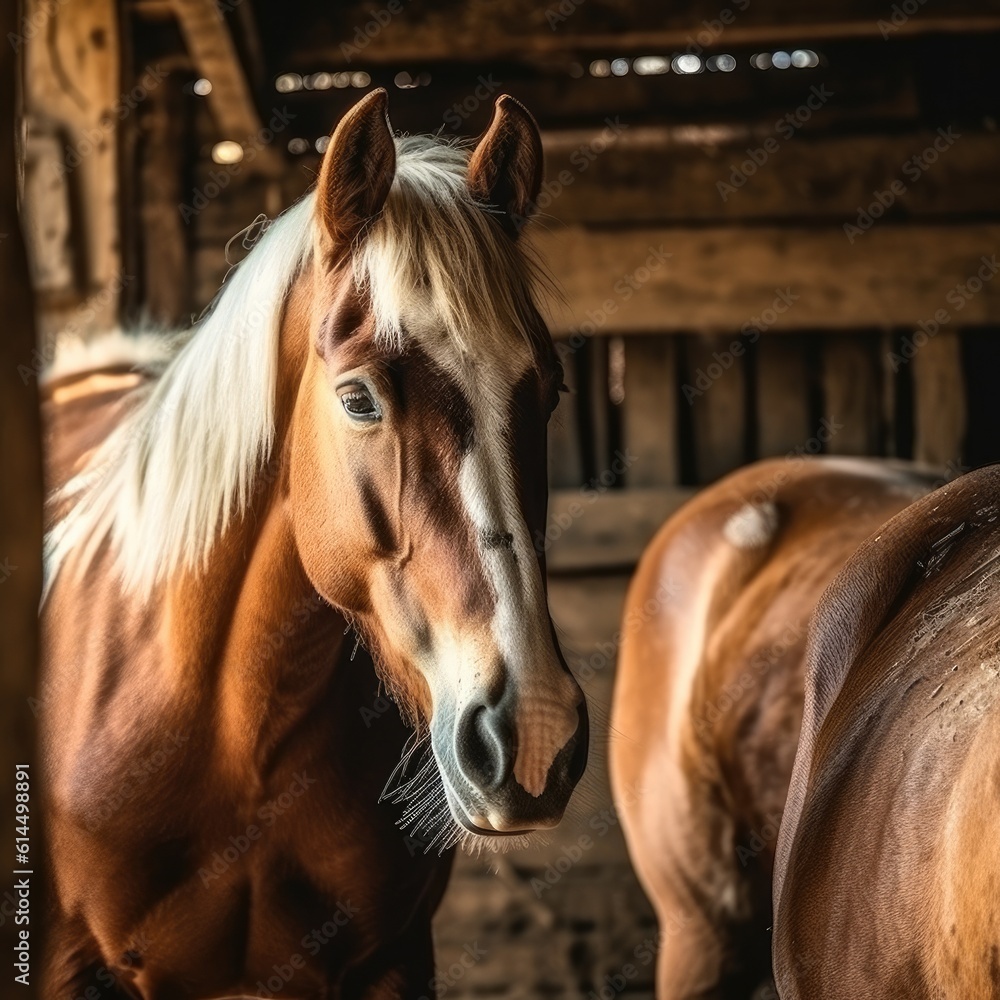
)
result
[(518, 29), (73, 90), (589, 530), (648, 174), (656, 280), (166, 284), (211, 45)]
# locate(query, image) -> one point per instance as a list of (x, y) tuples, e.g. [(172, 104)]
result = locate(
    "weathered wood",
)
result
[(20, 529), (210, 43), (660, 280), (939, 401), (565, 459), (73, 89), (596, 426), (165, 281), (679, 174), (518, 28), (718, 412), (592, 530), (782, 396), (649, 417), (851, 401), (46, 217)]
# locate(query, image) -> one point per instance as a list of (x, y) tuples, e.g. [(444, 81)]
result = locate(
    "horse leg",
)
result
[(713, 910)]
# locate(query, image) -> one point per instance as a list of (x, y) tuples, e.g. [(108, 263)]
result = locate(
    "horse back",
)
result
[(887, 878)]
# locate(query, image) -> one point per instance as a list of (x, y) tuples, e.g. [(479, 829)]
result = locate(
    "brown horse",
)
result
[(708, 700), (887, 878), (353, 438)]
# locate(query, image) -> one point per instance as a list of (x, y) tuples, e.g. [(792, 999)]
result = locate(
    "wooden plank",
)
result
[(166, 281), (591, 530), (649, 417), (718, 278), (46, 217), (679, 174), (565, 458), (73, 88), (718, 413), (597, 427), (20, 528), (939, 400), (211, 45), (518, 29), (782, 396), (851, 400)]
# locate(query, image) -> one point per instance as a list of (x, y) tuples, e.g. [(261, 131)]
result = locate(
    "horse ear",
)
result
[(357, 170), (505, 170)]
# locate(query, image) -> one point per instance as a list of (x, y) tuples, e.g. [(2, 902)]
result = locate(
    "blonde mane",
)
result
[(183, 463)]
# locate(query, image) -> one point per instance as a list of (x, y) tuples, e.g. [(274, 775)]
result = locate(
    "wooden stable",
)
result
[(723, 297)]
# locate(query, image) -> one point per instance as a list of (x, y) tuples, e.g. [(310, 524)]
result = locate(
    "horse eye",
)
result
[(358, 403)]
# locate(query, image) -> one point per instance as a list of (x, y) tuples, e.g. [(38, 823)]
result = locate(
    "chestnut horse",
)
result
[(708, 700), (353, 438), (887, 878)]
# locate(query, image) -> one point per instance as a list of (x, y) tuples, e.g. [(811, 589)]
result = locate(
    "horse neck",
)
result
[(252, 627)]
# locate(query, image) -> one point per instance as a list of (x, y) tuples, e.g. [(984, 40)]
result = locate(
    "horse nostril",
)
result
[(484, 745)]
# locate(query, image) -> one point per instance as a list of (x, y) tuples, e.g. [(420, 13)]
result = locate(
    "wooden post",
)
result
[(165, 264), (939, 400), (719, 412), (782, 396), (851, 396), (649, 419), (73, 89), (20, 522)]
